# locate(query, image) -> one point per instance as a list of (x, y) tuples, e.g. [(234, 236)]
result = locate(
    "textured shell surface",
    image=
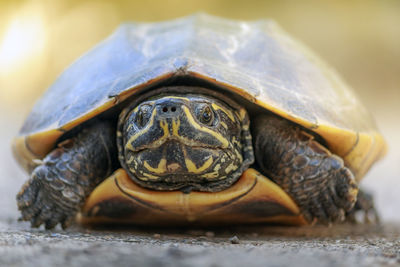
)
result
[(256, 57), (256, 60)]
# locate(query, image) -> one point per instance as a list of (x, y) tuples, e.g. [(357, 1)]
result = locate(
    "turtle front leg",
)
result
[(59, 186), (316, 179)]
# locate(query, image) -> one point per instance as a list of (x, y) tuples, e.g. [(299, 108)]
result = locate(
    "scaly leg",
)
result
[(316, 179), (59, 186)]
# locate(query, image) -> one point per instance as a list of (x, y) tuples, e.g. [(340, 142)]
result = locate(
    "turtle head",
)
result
[(187, 142)]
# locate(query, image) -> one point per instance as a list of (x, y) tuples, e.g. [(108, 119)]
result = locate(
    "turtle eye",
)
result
[(206, 115), (142, 116)]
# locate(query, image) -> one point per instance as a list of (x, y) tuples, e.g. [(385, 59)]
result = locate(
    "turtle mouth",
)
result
[(177, 161)]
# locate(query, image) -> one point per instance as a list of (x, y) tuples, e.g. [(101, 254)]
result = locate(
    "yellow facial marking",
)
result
[(218, 136), (139, 133), (217, 167), (192, 167), (234, 140), (210, 175), (130, 160), (161, 168), (130, 127), (175, 127), (239, 155), (242, 113), (164, 126), (224, 125), (230, 168), (148, 175), (227, 112), (180, 97)]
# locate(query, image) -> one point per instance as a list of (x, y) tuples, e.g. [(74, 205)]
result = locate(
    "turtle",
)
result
[(196, 120)]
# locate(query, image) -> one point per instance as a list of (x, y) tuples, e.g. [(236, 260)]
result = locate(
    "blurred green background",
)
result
[(361, 39)]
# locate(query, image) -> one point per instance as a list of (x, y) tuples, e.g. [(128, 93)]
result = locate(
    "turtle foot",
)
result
[(328, 200), (59, 186), (316, 179), (364, 210), (43, 201)]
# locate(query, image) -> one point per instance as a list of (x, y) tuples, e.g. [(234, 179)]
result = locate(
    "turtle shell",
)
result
[(255, 60)]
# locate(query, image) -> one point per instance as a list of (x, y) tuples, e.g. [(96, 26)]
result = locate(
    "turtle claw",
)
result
[(58, 187), (346, 188), (363, 211), (56, 219), (50, 224), (27, 195), (26, 200), (333, 212), (332, 201), (65, 223), (40, 203), (317, 211), (317, 180)]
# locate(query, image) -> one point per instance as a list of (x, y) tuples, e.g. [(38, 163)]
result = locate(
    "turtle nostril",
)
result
[(166, 109), (169, 109)]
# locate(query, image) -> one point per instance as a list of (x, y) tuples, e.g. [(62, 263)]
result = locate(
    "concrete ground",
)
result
[(342, 245)]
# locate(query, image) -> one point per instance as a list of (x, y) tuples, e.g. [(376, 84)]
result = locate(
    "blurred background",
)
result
[(360, 38)]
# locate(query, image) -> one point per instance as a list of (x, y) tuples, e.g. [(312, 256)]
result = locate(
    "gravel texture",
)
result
[(342, 245)]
